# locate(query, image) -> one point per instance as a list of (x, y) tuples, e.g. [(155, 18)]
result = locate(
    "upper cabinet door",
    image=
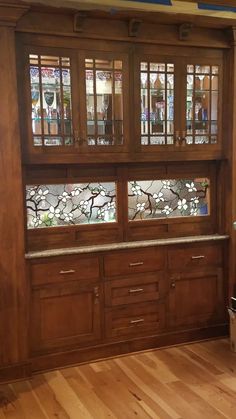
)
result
[(78, 103), (104, 101), (203, 103), (156, 84), (178, 104)]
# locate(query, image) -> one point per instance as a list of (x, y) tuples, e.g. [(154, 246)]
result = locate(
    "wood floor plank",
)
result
[(195, 381)]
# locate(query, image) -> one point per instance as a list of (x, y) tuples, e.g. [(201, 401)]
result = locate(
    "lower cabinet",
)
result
[(84, 301), (65, 315), (196, 298)]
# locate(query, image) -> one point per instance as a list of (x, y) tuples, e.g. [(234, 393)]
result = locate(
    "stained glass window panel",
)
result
[(70, 204), (154, 199)]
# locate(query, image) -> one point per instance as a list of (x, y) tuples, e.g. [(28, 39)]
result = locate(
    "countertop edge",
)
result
[(123, 245)]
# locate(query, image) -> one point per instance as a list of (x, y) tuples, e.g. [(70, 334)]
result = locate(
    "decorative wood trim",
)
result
[(184, 31), (134, 26), (11, 13), (79, 19)]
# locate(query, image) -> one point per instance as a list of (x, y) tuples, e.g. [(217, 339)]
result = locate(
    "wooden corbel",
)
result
[(231, 35), (134, 26), (79, 19), (184, 31)]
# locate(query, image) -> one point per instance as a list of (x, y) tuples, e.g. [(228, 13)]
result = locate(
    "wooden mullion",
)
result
[(165, 121), (95, 103), (210, 104), (41, 99), (62, 103), (148, 98), (113, 105), (193, 98)]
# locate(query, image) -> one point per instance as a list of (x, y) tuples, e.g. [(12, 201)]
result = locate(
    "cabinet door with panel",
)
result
[(178, 101), (77, 103), (196, 298), (65, 315)]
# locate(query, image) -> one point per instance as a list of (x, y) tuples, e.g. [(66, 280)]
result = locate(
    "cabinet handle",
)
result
[(172, 285), (198, 257), (96, 292), (135, 264), (70, 271), (177, 139), (76, 137), (136, 321), (183, 139), (132, 291)]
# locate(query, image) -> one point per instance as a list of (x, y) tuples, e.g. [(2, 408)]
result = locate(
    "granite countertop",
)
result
[(123, 245)]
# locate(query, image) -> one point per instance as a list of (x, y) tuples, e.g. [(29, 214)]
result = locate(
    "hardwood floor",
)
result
[(196, 381)]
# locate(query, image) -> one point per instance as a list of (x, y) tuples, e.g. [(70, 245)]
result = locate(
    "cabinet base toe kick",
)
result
[(54, 360)]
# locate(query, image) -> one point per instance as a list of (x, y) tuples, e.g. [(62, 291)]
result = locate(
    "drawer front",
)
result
[(194, 256), (129, 262), (135, 320), (141, 288), (65, 269)]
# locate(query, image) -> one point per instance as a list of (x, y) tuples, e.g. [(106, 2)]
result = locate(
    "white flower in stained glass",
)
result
[(54, 212), (101, 213), (32, 191), (158, 197), (83, 204), (167, 210), (195, 200), (193, 211), (182, 204), (140, 207), (191, 187), (69, 216), (110, 205), (166, 184), (102, 191), (41, 196), (76, 191), (36, 221), (64, 197), (136, 189)]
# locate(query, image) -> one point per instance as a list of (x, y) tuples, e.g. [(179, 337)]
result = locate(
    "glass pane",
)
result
[(89, 63), (190, 69), (190, 82), (214, 82), (202, 82), (157, 67), (38, 141), (157, 102), (189, 139), (202, 69), (170, 140), (143, 66), (201, 140), (215, 69), (152, 199), (214, 105), (214, 127), (70, 204), (51, 116)]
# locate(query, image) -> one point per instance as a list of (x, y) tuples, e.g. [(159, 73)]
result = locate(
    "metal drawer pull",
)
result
[(131, 291), (70, 271), (198, 257), (136, 264), (136, 321)]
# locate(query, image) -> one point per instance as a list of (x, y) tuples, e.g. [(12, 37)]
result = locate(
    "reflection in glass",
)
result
[(152, 199)]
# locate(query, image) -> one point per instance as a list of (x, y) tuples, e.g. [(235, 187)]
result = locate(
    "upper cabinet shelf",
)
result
[(102, 106)]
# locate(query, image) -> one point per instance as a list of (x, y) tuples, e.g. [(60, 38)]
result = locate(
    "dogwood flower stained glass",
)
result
[(71, 204), (150, 199)]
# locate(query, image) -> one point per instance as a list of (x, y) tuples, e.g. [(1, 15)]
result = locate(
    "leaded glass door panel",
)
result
[(158, 99), (203, 103), (104, 101)]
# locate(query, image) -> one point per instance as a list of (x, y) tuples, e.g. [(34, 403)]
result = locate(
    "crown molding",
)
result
[(11, 12)]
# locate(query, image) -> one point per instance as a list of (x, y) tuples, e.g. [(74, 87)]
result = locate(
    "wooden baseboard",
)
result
[(62, 359), (15, 372)]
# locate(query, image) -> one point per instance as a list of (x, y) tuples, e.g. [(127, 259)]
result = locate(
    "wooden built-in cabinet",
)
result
[(126, 141)]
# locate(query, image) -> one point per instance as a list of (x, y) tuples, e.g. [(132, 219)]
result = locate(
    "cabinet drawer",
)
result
[(141, 288), (194, 256), (135, 319), (65, 269), (128, 262)]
